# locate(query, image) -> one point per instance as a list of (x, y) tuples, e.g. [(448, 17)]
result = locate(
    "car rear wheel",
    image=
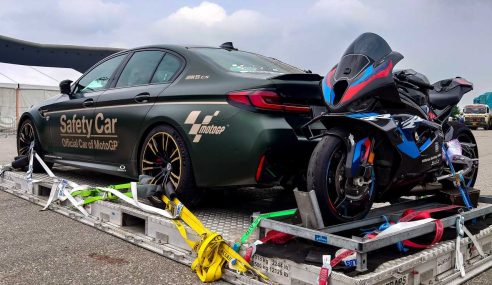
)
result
[(27, 134), (164, 148)]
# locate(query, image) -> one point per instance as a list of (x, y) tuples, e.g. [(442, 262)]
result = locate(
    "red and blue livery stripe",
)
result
[(327, 87), (369, 76)]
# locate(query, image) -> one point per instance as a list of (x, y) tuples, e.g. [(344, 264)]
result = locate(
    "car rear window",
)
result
[(245, 62)]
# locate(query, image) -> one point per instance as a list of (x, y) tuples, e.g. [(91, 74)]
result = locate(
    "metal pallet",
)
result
[(362, 246), (431, 266)]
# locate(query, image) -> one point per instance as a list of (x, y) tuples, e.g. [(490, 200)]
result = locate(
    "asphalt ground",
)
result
[(47, 248)]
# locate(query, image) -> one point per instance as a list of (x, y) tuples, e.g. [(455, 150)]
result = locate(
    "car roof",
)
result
[(184, 48), (172, 47)]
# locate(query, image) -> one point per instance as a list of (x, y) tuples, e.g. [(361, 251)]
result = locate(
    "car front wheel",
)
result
[(26, 134)]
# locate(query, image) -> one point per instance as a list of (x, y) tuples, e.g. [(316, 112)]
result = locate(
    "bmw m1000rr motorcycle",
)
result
[(384, 134)]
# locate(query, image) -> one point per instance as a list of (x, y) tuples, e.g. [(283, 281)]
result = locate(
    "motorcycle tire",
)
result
[(327, 162), (463, 134)]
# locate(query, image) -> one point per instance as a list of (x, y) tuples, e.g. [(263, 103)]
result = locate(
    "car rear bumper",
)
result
[(256, 149)]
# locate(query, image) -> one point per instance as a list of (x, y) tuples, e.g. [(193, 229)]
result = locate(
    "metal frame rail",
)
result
[(362, 246)]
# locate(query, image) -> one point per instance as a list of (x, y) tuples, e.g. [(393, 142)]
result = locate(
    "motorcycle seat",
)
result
[(447, 92)]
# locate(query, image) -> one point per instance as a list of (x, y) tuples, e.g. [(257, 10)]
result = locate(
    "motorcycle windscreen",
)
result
[(364, 72), (363, 52)]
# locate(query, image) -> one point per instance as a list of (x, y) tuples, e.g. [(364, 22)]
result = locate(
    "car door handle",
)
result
[(142, 97), (88, 103)]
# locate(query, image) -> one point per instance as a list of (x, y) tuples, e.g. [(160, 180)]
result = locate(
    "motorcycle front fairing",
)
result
[(363, 75)]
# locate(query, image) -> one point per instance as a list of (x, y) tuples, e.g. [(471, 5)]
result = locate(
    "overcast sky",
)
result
[(441, 39)]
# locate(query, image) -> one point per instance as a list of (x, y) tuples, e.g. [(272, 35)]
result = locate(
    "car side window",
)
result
[(99, 76), (139, 68), (166, 70)]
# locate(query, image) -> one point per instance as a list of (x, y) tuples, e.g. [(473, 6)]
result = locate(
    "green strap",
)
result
[(109, 197), (257, 220), (121, 186), (93, 194)]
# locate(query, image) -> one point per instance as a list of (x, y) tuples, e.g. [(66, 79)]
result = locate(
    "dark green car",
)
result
[(219, 117)]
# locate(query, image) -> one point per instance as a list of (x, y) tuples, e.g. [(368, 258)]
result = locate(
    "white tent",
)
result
[(22, 86)]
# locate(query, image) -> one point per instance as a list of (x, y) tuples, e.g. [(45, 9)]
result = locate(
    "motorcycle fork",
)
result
[(360, 158)]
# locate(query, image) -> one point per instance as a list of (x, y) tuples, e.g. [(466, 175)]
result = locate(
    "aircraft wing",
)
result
[(79, 58)]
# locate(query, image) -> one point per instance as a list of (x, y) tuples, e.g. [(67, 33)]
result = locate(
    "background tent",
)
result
[(22, 86)]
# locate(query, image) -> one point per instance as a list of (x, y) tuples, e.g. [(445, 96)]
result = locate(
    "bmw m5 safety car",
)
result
[(218, 117)]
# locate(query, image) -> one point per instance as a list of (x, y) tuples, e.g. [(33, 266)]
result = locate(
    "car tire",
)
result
[(162, 146), (25, 135)]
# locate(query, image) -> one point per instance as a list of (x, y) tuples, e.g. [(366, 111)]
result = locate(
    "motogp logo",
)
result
[(204, 128)]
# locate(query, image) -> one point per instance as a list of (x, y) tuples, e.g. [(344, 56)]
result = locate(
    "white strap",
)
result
[(474, 241), (31, 161), (459, 262), (53, 192), (45, 167), (58, 186), (141, 206), (133, 188), (75, 203)]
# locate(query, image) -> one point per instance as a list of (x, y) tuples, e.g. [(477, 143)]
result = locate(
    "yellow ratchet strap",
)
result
[(212, 250)]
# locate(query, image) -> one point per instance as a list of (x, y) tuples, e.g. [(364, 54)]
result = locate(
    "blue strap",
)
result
[(463, 191), (385, 225)]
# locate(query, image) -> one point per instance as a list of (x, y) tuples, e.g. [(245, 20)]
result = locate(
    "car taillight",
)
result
[(265, 100)]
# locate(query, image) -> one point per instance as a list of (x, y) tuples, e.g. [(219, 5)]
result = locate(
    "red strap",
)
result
[(334, 262), (248, 254), (437, 237), (276, 237), (323, 276), (273, 236), (411, 214)]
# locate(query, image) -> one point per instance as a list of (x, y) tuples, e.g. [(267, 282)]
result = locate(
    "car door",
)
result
[(71, 119), (121, 110)]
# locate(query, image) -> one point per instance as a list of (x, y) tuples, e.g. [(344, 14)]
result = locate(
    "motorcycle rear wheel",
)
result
[(463, 134), (326, 176)]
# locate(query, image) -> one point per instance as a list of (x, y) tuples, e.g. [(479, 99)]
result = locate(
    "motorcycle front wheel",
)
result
[(326, 176)]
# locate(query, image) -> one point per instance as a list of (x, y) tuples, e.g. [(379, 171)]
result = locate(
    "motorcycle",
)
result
[(385, 134)]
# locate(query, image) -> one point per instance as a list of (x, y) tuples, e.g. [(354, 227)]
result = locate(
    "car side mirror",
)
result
[(65, 87)]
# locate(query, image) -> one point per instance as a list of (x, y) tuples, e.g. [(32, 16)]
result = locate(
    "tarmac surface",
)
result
[(47, 248)]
